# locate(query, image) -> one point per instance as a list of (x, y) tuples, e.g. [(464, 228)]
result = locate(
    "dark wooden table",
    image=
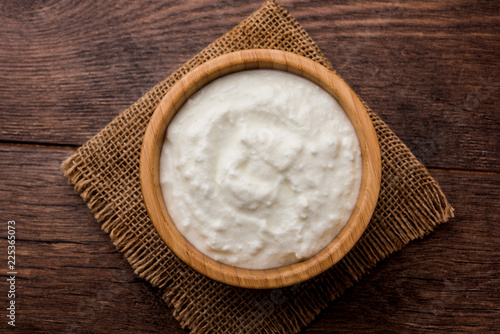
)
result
[(67, 68)]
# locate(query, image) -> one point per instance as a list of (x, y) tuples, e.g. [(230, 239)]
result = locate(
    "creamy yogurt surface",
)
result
[(260, 169)]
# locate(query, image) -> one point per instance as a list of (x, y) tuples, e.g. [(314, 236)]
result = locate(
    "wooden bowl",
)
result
[(240, 61)]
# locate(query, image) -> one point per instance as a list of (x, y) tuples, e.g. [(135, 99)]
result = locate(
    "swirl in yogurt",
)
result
[(260, 169)]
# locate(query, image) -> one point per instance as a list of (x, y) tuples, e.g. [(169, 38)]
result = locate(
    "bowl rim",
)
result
[(205, 73)]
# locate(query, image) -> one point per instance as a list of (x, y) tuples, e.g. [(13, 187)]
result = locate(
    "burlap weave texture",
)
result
[(105, 171)]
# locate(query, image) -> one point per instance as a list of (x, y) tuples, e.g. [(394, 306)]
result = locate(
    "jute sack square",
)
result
[(105, 171)]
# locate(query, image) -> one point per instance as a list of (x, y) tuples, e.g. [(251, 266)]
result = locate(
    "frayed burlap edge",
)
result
[(105, 171)]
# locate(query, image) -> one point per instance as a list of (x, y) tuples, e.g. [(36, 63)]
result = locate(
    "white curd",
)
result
[(260, 169)]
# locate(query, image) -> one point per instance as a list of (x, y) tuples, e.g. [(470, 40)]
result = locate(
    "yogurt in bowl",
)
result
[(260, 169), (269, 170)]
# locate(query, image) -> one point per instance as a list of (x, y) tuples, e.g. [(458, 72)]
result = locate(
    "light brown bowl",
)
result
[(239, 61)]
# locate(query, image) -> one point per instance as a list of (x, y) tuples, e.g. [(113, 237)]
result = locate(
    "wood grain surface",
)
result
[(430, 69)]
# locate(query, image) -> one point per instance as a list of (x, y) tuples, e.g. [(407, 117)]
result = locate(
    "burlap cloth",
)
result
[(105, 171)]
